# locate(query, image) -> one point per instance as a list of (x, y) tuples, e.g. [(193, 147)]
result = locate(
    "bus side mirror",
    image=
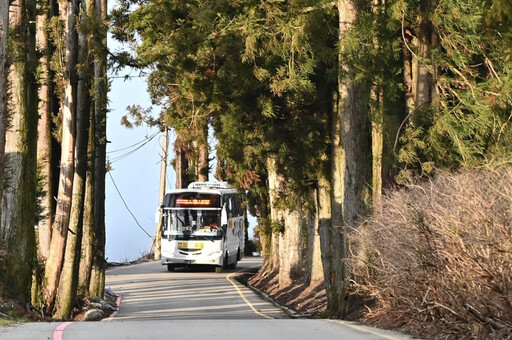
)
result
[(224, 216), (158, 214)]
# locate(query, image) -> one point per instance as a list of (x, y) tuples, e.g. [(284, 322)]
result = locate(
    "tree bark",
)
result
[(204, 154), (67, 289), (330, 214), (265, 236), (410, 78), (316, 271), (84, 273), (275, 214), (350, 171), (425, 68), (377, 147), (423, 93), (44, 141), (161, 194), (86, 256), (291, 257), (4, 35), (377, 114), (65, 191), (331, 251), (181, 164), (18, 203), (97, 284)]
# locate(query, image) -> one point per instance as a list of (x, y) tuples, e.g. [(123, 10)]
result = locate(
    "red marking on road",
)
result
[(59, 331), (118, 303)]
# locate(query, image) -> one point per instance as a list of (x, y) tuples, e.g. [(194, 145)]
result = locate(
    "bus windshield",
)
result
[(184, 224)]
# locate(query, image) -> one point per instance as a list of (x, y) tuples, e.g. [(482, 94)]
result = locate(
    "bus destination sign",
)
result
[(186, 202)]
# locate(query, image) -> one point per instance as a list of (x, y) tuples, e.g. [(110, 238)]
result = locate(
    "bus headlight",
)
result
[(215, 254)]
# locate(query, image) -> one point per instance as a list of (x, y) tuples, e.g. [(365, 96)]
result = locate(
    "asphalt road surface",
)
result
[(194, 303)]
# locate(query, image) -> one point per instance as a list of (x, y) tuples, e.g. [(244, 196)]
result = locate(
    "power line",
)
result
[(144, 142), (126, 205)]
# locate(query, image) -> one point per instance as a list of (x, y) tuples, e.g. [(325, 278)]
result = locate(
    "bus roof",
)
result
[(220, 188), (209, 185)]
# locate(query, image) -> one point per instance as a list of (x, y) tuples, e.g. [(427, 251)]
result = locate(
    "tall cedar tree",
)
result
[(4, 34), (463, 121), (19, 195), (45, 157), (97, 279), (67, 94), (68, 283), (179, 56)]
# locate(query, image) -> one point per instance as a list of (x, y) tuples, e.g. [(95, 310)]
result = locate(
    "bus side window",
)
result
[(237, 203)]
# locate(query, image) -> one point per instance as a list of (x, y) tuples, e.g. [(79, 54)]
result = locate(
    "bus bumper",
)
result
[(180, 260)]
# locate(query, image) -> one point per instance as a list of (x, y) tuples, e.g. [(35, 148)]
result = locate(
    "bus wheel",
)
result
[(170, 267), (226, 259), (233, 265)]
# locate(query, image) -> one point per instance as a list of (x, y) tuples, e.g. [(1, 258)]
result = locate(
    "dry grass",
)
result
[(438, 259)]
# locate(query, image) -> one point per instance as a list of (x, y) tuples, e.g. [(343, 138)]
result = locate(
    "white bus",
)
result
[(202, 225)]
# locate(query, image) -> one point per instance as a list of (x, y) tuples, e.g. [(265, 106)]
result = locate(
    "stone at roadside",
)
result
[(93, 315)]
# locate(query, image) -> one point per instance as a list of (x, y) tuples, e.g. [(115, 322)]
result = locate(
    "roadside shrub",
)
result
[(438, 258)]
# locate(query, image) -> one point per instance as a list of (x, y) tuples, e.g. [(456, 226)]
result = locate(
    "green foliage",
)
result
[(277, 227), (468, 120), (40, 194), (263, 74), (499, 17)]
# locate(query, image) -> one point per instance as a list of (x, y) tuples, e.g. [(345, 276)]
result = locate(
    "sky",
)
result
[(132, 185)]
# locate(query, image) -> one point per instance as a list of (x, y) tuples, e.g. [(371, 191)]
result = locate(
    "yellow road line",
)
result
[(368, 329), (243, 296)]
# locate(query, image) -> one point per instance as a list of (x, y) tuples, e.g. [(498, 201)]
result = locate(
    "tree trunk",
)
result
[(44, 141), (161, 194), (425, 68), (410, 78), (330, 210), (350, 171), (19, 197), (355, 130), (97, 284), (264, 234), (181, 164), (65, 191), (4, 34), (330, 219), (331, 252), (204, 154), (275, 214), (316, 271), (84, 273), (377, 147), (290, 252), (67, 289), (423, 93), (86, 256), (377, 114)]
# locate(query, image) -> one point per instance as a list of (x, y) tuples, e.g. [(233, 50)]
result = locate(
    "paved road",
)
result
[(149, 292), (196, 304)]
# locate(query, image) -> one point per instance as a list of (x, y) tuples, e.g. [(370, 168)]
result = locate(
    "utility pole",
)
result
[(161, 194)]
